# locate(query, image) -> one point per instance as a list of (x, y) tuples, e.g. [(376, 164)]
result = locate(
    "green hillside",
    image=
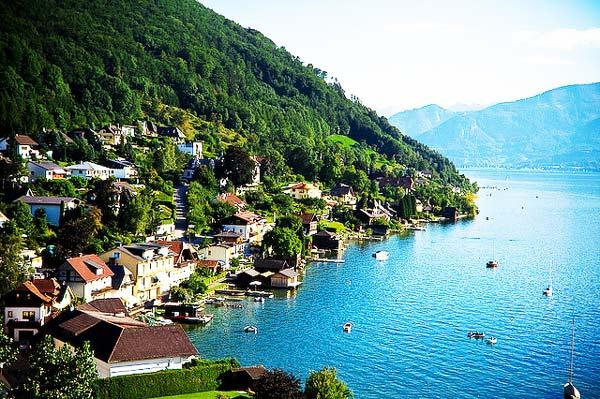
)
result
[(70, 64)]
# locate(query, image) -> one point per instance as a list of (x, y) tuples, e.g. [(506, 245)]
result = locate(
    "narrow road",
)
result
[(180, 211)]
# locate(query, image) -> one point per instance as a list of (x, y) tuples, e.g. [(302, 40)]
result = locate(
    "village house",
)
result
[(310, 223), (115, 134), (212, 265), (252, 278), (148, 129), (26, 147), (233, 200), (222, 252), (121, 169), (302, 190), (53, 206), (31, 263), (405, 182), (150, 264), (31, 305), (122, 285), (88, 276), (192, 148), (271, 265), (45, 170), (344, 194), (185, 260), (372, 215), (90, 170), (250, 225), (121, 344), (173, 132)]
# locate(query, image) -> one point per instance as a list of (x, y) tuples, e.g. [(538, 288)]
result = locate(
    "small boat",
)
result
[(347, 327), (161, 321), (492, 341), (259, 299), (475, 335), (548, 290), (491, 264), (220, 299), (381, 255), (569, 390), (251, 329)]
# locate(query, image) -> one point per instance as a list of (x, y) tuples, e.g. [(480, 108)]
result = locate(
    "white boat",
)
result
[(491, 264), (569, 390), (548, 291), (259, 299), (161, 321), (492, 340), (347, 327), (381, 255), (251, 329)]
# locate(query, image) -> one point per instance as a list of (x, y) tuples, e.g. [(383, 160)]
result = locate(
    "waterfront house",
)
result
[(309, 223), (233, 200), (286, 278), (302, 190), (250, 225), (150, 264), (270, 265), (53, 206), (328, 241), (122, 345), (31, 305), (243, 378), (372, 215), (46, 170), (26, 147), (122, 169), (88, 276), (344, 194), (122, 285), (244, 278), (90, 170), (450, 213)]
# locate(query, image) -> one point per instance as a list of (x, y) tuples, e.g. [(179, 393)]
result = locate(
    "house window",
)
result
[(29, 315), (10, 314)]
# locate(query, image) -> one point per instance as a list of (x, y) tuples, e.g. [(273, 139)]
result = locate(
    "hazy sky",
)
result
[(396, 55)]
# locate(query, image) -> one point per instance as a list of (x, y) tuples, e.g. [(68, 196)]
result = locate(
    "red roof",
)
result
[(24, 140), (29, 286), (208, 263), (47, 286), (87, 265), (249, 217), (175, 246), (232, 200)]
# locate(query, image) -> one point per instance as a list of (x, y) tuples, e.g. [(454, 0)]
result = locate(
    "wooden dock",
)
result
[(326, 260)]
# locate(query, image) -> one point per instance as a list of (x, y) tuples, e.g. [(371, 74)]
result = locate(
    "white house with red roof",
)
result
[(249, 225), (26, 147), (88, 276), (233, 200)]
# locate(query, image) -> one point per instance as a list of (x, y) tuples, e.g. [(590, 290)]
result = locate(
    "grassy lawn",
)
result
[(332, 226), (345, 141), (206, 395)]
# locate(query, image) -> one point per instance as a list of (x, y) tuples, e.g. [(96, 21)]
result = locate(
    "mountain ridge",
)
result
[(533, 131)]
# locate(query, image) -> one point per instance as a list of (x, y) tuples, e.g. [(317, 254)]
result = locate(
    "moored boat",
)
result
[(569, 390), (251, 329), (492, 341), (491, 264), (347, 327), (475, 334), (548, 290), (381, 255)]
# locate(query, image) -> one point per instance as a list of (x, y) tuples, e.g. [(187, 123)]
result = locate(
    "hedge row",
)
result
[(202, 376)]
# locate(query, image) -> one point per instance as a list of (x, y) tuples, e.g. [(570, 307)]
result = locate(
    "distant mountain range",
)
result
[(560, 127)]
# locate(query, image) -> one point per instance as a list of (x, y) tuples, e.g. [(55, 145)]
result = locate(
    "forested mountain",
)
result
[(71, 63), (416, 121), (558, 127)]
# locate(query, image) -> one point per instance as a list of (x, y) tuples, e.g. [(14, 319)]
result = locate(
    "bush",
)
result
[(199, 377)]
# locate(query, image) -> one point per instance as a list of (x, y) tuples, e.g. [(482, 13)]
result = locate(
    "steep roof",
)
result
[(232, 200), (47, 286), (25, 295), (87, 267), (271, 264), (3, 217), (42, 200), (307, 218), (404, 181), (22, 139), (342, 189), (288, 273), (106, 305), (247, 216), (254, 372)]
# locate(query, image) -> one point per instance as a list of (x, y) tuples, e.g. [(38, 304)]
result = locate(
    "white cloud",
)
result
[(562, 39)]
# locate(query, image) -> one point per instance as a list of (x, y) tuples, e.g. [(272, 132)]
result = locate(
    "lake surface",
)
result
[(412, 312)]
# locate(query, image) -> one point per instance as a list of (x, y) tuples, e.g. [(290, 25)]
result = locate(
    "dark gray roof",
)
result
[(41, 200)]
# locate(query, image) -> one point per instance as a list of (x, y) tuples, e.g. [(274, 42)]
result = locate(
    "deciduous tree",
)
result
[(324, 384), (278, 384)]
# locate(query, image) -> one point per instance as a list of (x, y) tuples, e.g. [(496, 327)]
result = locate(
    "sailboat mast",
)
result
[(572, 349)]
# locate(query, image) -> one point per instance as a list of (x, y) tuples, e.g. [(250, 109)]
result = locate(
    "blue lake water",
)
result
[(412, 312)]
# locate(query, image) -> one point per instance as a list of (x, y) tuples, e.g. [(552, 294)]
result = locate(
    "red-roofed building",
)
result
[(303, 190), (122, 345), (31, 305), (248, 224), (405, 182), (88, 276), (184, 262), (233, 200), (25, 145)]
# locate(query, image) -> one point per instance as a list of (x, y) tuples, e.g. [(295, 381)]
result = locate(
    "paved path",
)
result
[(180, 210)]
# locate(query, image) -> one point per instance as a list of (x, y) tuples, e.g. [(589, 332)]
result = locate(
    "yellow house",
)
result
[(303, 190), (151, 265)]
